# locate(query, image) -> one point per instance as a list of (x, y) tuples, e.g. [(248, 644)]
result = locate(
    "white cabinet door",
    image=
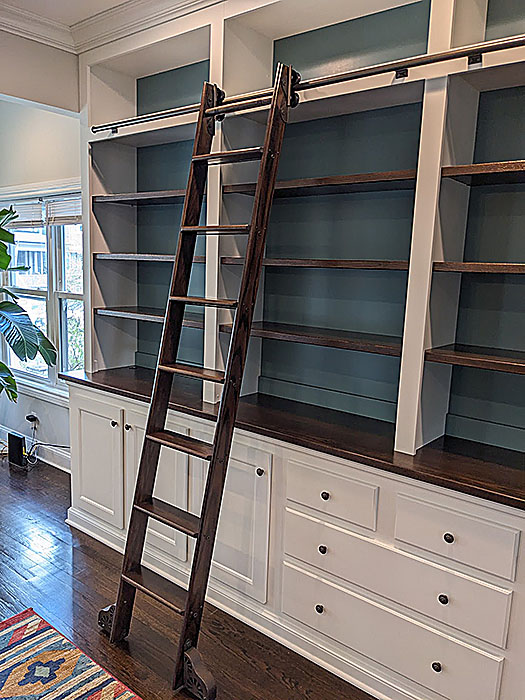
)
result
[(171, 485), (97, 459), (240, 558)]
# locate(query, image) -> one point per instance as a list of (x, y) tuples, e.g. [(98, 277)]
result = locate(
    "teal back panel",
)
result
[(371, 225), (489, 406), (505, 18), (172, 88), (165, 167), (384, 36)]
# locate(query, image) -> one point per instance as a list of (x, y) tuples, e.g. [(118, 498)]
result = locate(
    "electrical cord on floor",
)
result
[(32, 456)]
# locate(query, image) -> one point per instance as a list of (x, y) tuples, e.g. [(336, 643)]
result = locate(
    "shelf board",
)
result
[(481, 267), (497, 173), (511, 361), (320, 263), (146, 198), (327, 337), (335, 184), (493, 473), (143, 257), (148, 313)]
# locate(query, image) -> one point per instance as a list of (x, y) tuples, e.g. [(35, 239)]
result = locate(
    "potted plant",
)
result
[(21, 334)]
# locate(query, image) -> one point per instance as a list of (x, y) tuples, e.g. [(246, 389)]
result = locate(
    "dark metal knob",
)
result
[(325, 495), (260, 472), (127, 426), (448, 537), (323, 549), (114, 423), (319, 609), (443, 599), (437, 667)]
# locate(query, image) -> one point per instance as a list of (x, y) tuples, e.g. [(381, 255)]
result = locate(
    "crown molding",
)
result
[(129, 18), (32, 26)]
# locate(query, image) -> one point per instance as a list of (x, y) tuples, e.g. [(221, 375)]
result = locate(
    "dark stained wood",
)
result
[(497, 173), (148, 313), (143, 198), (487, 472), (66, 576), (319, 263), (171, 515), (327, 337), (512, 361), (481, 267), (231, 230), (183, 443), (335, 184), (240, 155), (158, 587), (211, 375), (203, 301), (143, 257)]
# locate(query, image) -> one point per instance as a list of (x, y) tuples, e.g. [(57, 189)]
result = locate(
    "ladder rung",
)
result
[(240, 106), (171, 515), (210, 375), (201, 301), (240, 155), (217, 230), (184, 443), (156, 586)]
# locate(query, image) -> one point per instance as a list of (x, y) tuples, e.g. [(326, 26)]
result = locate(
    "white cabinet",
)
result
[(97, 460), (171, 485), (240, 558)]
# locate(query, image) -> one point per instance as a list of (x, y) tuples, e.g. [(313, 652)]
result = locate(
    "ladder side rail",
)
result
[(150, 455), (217, 470)]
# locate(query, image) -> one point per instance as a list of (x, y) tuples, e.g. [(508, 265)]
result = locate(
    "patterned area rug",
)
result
[(38, 663)]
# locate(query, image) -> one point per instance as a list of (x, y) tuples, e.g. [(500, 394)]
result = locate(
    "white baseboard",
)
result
[(369, 677), (54, 456)]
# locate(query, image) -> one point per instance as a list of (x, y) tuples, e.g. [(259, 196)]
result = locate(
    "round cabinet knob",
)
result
[(114, 423), (259, 471), (437, 667), (443, 599), (325, 495), (323, 549), (127, 426), (319, 609), (449, 537)]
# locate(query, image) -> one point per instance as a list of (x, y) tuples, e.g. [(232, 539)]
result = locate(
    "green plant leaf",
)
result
[(18, 330), (7, 216), (5, 290), (6, 236), (7, 382), (46, 349), (5, 258)]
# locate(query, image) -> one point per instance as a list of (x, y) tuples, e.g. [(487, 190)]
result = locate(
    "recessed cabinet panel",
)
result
[(241, 552), (348, 499), (473, 541), (171, 485), (433, 590), (98, 461), (436, 661)]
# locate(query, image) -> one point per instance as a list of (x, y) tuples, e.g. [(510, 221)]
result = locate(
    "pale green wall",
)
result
[(505, 18)]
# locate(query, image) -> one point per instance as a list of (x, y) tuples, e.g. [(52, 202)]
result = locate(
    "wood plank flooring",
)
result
[(67, 577)]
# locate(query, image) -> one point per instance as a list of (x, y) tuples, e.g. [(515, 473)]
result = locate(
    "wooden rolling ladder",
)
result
[(190, 672)]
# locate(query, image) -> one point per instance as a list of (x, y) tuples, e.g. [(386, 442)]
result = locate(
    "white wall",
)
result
[(37, 145), (33, 71)]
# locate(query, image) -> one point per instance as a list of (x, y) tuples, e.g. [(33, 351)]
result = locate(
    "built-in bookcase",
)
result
[(391, 300)]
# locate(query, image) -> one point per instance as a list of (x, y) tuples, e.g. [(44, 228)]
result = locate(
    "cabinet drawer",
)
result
[(348, 499), (470, 605), (458, 536), (393, 640)]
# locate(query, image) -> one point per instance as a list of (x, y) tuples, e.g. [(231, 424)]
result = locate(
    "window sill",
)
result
[(45, 392)]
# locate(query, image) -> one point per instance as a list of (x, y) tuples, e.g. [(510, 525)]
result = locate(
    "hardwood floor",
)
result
[(67, 577)]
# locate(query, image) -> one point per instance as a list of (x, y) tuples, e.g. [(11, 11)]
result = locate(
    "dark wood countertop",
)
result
[(492, 473)]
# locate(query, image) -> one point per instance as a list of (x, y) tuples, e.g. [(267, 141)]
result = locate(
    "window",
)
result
[(49, 242)]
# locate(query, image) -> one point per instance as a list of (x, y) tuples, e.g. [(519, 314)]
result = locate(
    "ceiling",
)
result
[(67, 12)]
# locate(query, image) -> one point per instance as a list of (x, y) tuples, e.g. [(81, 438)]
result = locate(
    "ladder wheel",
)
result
[(198, 680), (294, 99), (105, 618)]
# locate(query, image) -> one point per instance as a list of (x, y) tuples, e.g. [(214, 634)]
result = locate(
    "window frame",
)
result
[(54, 294)]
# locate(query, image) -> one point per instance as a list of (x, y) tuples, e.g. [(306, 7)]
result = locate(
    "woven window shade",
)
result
[(60, 212)]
